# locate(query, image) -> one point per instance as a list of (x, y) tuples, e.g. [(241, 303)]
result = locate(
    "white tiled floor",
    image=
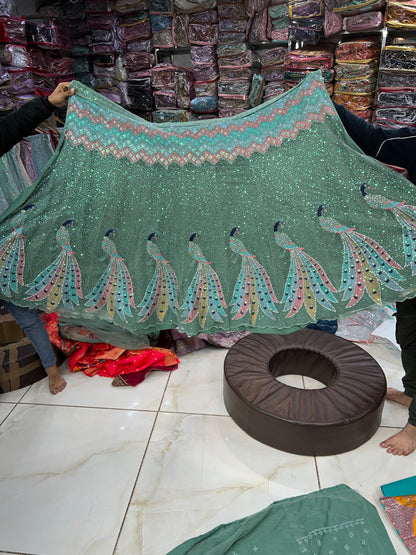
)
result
[(99, 470)]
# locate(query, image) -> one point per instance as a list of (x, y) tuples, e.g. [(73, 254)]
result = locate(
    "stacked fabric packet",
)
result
[(356, 71), (235, 57), (306, 20), (80, 43), (396, 95), (300, 62), (279, 20), (399, 502), (172, 87), (353, 16), (272, 69), (15, 74)]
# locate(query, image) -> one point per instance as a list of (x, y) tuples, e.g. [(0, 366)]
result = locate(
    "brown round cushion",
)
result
[(328, 421)]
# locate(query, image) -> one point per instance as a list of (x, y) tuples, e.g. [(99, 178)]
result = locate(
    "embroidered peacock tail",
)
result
[(60, 282), (405, 214), (161, 293), (114, 289), (12, 255), (367, 266), (253, 290), (204, 297), (287, 156), (307, 283)]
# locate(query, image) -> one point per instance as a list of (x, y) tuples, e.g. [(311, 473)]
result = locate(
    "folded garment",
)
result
[(279, 35), (273, 56), (318, 522), (137, 61), (363, 22), (207, 16), (401, 511), (48, 32), (273, 88), (134, 28), (21, 81), (160, 22), (165, 99), (273, 73)]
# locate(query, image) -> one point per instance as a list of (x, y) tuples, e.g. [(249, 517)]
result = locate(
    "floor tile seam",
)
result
[(162, 397), (6, 417), (86, 407), (181, 412), (135, 482)]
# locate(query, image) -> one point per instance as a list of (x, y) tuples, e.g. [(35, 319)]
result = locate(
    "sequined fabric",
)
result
[(257, 222)]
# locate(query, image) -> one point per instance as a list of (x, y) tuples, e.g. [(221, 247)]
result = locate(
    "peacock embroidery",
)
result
[(204, 296), (307, 283), (114, 288), (253, 290), (61, 280), (12, 254), (405, 214), (366, 267), (162, 290)]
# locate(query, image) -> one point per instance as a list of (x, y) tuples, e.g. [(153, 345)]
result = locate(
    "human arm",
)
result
[(394, 146), (17, 125)]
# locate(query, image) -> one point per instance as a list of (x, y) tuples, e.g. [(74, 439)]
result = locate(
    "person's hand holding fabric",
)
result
[(60, 95)]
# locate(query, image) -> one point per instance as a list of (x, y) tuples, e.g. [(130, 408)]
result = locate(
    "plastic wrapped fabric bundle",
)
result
[(309, 59), (14, 55), (138, 260), (350, 7), (180, 30), (355, 86), (354, 101), (12, 30), (206, 73), (203, 55), (201, 34), (236, 105), (206, 89), (363, 22), (394, 79), (273, 57), (398, 58), (235, 73), (400, 15), (193, 6), (231, 10), (401, 115), (204, 104), (396, 97), (257, 90), (164, 116), (353, 71), (234, 88), (357, 51)]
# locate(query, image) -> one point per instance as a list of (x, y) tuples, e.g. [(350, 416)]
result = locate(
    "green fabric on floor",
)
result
[(333, 521)]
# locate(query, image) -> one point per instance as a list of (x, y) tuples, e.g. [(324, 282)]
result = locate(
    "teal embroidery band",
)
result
[(146, 226)]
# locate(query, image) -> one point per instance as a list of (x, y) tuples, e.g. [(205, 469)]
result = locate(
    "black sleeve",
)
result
[(17, 125), (367, 136)]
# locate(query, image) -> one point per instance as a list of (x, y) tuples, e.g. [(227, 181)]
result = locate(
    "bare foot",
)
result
[(56, 381), (398, 397), (402, 443)]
